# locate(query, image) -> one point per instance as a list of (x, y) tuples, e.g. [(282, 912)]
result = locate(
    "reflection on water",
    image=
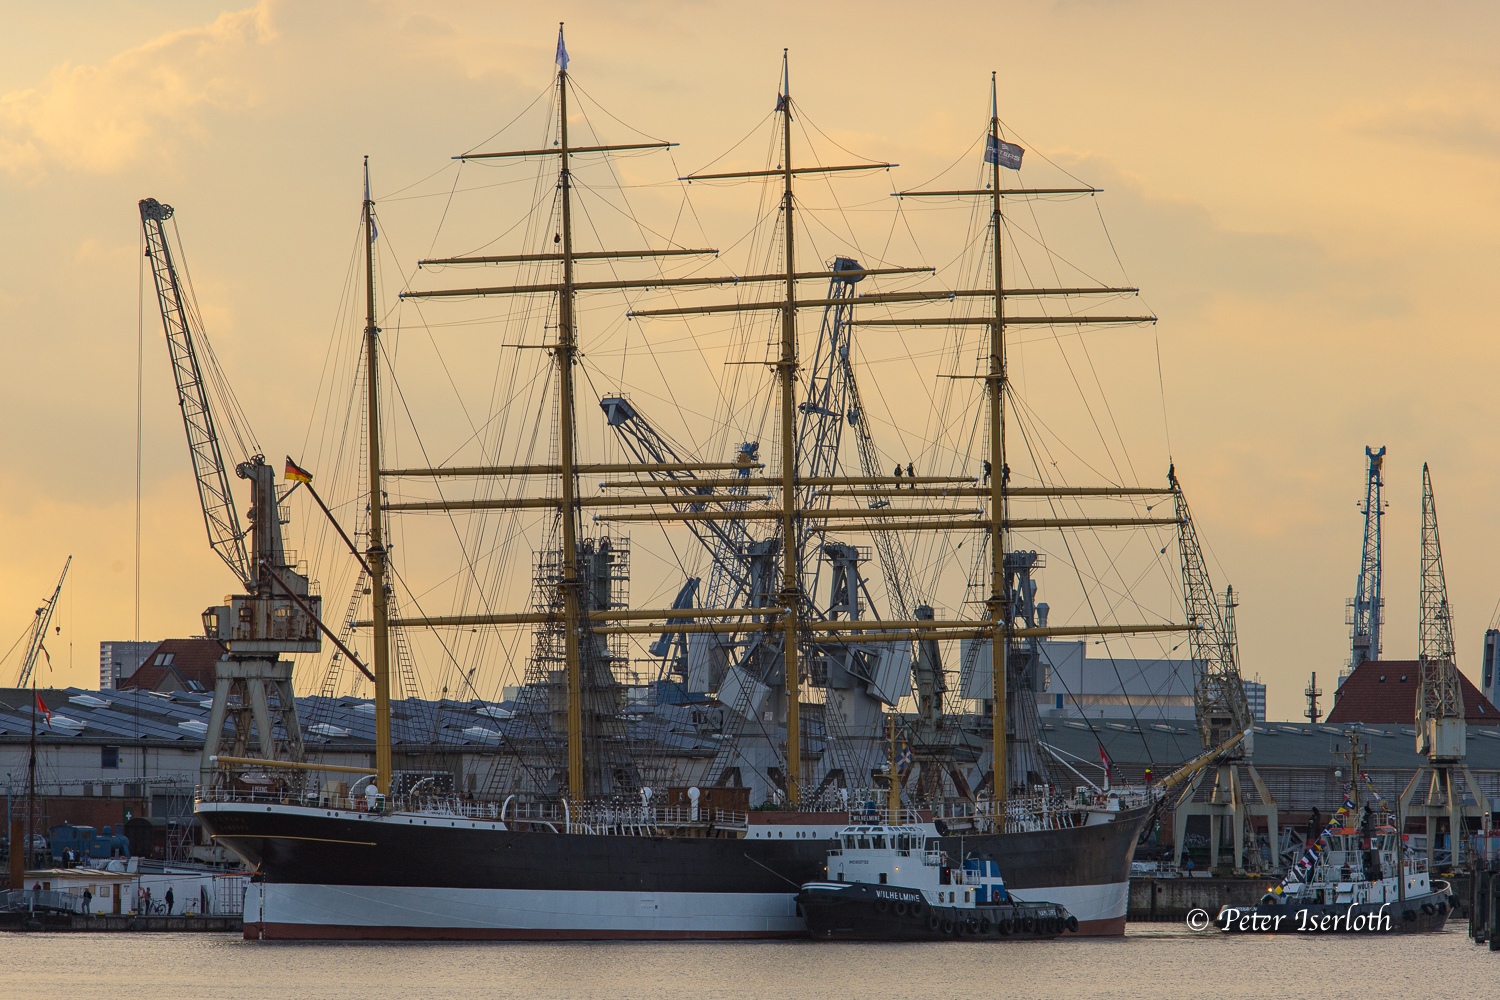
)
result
[(1156, 961)]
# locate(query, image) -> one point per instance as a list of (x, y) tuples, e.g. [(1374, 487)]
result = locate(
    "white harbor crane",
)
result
[(278, 613), (37, 634), (1220, 707), (1442, 732)]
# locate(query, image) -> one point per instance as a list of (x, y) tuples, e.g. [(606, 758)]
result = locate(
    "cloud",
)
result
[(98, 119), (1463, 125)]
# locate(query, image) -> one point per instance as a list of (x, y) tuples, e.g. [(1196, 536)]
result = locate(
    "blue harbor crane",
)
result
[(1366, 609)]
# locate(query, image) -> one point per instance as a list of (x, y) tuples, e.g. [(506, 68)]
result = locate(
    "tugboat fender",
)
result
[(1072, 923), (984, 925), (1028, 923), (1006, 926), (900, 909), (933, 923), (1428, 909), (882, 905)]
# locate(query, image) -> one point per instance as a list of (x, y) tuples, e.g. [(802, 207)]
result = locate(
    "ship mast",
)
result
[(995, 388), (786, 369), (566, 345), (375, 554)]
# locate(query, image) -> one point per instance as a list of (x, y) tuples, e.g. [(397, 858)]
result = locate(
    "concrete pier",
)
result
[(1171, 899), (176, 923)]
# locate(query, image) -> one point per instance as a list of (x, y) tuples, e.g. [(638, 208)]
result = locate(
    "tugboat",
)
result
[(891, 882), (894, 884), (1354, 879)]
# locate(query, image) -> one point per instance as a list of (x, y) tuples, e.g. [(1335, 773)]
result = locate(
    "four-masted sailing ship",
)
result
[(593, 825)]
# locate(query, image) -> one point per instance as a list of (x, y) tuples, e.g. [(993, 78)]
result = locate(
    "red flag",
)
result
[(42, 705), (1109, 765)]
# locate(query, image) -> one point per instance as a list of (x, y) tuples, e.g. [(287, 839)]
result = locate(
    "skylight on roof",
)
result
[(323, 729)]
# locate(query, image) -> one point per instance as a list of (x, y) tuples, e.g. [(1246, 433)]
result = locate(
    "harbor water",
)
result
[(1155, 961)]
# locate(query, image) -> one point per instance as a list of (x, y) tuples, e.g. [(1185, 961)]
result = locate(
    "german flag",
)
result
[(295, 471)]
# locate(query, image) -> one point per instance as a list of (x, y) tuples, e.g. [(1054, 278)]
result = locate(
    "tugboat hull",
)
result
[(1428, 912), (858, 911)]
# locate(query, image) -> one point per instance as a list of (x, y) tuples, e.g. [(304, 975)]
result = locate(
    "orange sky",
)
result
[(1306, 198)]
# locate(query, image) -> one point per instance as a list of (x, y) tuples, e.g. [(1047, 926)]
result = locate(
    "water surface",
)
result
[(1155, 961)]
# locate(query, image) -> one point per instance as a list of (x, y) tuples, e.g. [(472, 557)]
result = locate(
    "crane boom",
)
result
[(225, 535), (1218, 692), (1367, 607), (39, 624), (1441, 730)]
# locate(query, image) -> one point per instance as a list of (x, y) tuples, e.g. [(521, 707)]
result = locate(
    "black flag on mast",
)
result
[(1007, 154)]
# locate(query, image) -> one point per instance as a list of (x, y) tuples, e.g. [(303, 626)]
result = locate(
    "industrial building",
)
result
[(1076, 684), (120, 660)]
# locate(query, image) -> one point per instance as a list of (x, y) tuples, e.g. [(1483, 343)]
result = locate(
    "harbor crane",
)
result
[(1442, 732), (1365, 611), (278, 613), (38, 632), (1220, 707)]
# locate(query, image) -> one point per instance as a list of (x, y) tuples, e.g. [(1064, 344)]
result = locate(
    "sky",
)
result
[(1306, 199)]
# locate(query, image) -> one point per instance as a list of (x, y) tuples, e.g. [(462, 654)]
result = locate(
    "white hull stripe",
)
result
[(627, 913), (669, 913)]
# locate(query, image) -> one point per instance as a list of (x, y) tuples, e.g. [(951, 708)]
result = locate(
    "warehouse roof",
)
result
[(1384, 692)]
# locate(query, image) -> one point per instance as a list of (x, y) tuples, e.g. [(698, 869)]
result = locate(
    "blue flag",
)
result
[(1007, 154)]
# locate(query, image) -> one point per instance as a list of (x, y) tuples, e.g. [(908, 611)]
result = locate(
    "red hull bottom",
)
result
[(1113, 927)]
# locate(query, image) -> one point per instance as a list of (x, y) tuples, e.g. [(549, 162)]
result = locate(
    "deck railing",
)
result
[(588, 816)]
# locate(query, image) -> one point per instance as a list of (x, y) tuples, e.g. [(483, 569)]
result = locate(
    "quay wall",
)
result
[(1171, 899)]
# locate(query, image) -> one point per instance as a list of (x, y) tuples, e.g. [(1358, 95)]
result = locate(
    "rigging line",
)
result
[(447, 373), (1082, 396), (1161, 385), (500, 414), (1126, 589), (753, 129), (1072, 560), (1033, 415), (1088, 356), (333, 339), (577, 88), (1038, 152), (421, 445), (804, 120), (956, 160), (464, 676), (232, 412), (544, 92), (457, 174), (1013, 230), (140, 374), (1111, 240)]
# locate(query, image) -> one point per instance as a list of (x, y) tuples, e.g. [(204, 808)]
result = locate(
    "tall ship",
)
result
[(676, 767)]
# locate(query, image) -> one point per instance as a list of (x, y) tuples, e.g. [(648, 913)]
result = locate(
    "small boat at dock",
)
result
[(892, 883)]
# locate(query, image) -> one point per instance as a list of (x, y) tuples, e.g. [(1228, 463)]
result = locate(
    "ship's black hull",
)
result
[(345, 875), (858, 911)]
